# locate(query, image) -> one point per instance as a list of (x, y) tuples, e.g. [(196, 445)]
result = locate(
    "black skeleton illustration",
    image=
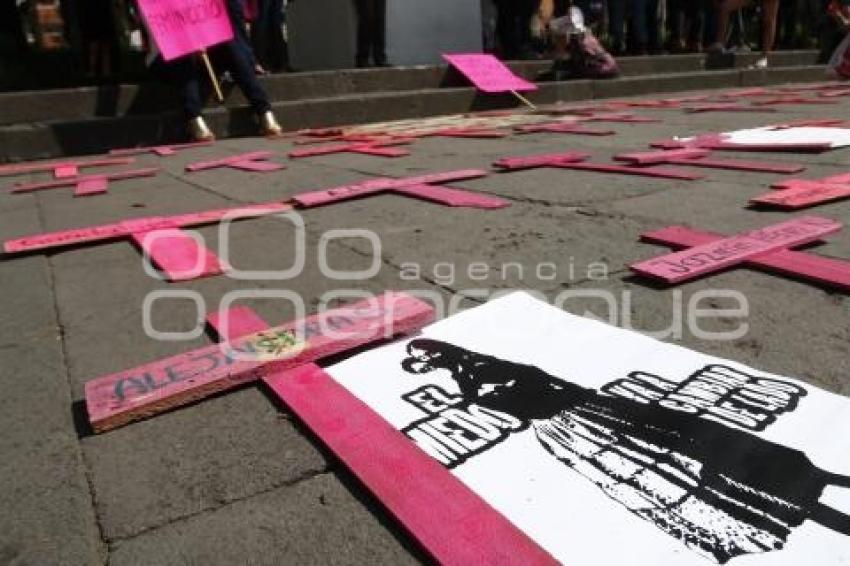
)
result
[(722, 491)]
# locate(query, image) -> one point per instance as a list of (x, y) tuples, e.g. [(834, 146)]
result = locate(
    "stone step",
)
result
[(95, 135)]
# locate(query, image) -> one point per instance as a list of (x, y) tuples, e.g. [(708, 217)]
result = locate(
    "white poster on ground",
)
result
[(609, 447)]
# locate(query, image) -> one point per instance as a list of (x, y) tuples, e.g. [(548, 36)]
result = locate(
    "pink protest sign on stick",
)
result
[(120, 398), (487, 73), (830, 272), (180, 27), (714, 256)]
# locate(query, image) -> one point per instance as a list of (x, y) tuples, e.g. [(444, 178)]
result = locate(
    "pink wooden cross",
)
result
[(86, 185), (180, 257), (696, 157), (721, 142), (745, 93), (257, 161), (801, 193), (382, 458), (117, 399), (62, 169), (791, 99), (378, 149), (573, 127), (767, 248), (576, 160), (725, 107), (160, 150)]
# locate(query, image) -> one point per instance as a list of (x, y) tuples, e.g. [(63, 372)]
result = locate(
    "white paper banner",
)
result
[(609, 447)]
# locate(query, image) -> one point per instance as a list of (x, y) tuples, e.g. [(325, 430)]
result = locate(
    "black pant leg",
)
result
[(379, 31)]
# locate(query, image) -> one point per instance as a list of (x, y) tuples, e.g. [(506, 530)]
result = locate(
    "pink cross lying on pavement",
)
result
[(180, 257), (384, 148), (576, 160), (160, 150), (767, 248), (86, 185), (257, 161), (696, 157), (62, 169), (801, 193)]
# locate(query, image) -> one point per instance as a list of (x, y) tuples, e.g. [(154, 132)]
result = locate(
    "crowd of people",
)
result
[(522, 29)]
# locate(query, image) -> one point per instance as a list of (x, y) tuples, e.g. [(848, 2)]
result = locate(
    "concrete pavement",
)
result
[(235, 478)]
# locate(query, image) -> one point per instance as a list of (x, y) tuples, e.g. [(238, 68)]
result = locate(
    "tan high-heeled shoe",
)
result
[(199, 131), (269, 126)]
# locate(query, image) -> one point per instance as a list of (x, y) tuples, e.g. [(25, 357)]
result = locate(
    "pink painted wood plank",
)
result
[(841, 178), (228, 161), (544, 160), (380, 150), (657, 172), (345, 192), (61, 167), (814, 122), (74, 181), (161, 150), (461, 530), (480, 133), (123, 397), (659, 157), (562, 128), (144, 224), (823, 270), (803, 196), (235, 322), (257, 166), (65, 171), (708, 258), (90, 186), (742, 165), (179, 256), (792, 100), (453, 197), (620, 118), (726, 107)]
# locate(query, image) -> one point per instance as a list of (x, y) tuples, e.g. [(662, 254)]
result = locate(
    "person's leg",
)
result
[(379, 33), (616, 25), (364, 31), (653, 26), (242, 69), (675, 15), (770, 11), (638, 26), (724, 12)]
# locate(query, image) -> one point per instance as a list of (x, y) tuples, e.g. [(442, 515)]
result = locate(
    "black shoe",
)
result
[(362, 62), (382, 62)]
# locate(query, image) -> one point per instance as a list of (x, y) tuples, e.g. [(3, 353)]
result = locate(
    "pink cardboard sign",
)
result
[(120, 398), (487, 73), (180, 27), (714, 256)]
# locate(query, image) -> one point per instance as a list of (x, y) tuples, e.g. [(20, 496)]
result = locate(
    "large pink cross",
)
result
[(696, 157), (160, 150), (180, 257), (766, 248), (801, 193), (384, 148), (257, 161), (86, 185), (120, 398), (62, 169), (576, 160)]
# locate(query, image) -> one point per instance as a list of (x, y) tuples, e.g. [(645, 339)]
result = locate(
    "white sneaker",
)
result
[(761, 63)]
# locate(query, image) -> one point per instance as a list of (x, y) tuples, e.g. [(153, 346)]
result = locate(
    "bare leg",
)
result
[(770, 13), (724, 11)]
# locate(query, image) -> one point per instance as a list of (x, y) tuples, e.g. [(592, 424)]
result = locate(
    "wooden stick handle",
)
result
[(213, 78), (524, 100)]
